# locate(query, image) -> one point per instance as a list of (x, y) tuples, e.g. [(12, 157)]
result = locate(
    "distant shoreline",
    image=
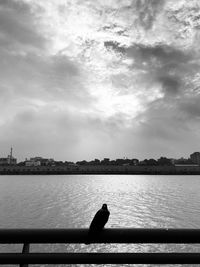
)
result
[(100, 169)]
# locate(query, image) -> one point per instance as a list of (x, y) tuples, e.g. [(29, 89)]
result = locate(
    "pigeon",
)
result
[(100, 219), (98, 222)]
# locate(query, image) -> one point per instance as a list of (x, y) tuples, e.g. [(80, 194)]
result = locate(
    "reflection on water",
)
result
[(70, 201)]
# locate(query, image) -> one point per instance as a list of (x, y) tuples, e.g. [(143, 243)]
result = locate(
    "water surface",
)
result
[(70, 201)]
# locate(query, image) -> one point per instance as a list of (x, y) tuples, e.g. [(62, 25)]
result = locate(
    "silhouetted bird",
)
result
[(98, 222), (100, 219)]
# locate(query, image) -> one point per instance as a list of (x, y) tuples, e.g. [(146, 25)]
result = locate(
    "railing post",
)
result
[(25, 250)]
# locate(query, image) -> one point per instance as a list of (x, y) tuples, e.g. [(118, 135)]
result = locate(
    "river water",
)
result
[(70, 201)]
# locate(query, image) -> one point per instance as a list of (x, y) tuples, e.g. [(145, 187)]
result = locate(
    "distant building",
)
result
[(183, 161), (10, 160), (195, 157), (39, 161), (30, 163)]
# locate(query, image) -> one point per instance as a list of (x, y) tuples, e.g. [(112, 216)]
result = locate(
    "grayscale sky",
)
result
[(85, 79)]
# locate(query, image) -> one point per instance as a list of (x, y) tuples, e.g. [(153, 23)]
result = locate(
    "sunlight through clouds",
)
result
[(72, 67)]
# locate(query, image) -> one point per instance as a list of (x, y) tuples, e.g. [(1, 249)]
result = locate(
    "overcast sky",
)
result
[(105, 78)]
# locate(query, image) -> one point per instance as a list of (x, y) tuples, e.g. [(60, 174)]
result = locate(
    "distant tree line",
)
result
[(126, 161), (107, 161), (162, 161)]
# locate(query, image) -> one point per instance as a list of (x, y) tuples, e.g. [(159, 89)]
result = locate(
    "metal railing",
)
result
[(113, 235)]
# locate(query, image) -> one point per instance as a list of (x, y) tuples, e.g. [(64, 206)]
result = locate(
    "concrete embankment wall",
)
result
[(101, 169)]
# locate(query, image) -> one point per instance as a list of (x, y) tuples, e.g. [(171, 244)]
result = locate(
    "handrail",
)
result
[(112, 235), (100, 258)]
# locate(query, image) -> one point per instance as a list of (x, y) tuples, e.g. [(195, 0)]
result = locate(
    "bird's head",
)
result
[(104, 207)]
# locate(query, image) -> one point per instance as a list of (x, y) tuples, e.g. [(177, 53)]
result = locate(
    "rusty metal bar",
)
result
[(112, 235), (100, 258)]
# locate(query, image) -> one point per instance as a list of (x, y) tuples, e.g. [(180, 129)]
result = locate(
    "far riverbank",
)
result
[(101, 169)]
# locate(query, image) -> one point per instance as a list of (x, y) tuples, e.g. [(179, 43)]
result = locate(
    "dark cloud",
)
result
[(116, 28), (164, 64), (160, 54), (170, 84), (115, 46), (17, 26), (147, 11)]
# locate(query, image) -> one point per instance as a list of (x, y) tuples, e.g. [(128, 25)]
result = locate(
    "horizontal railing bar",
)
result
[(112, 235), (100, 258)]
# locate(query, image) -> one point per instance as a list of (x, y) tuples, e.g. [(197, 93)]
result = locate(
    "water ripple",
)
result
[(71, 201)]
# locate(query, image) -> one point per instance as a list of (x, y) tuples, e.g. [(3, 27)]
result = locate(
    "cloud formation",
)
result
[(86, 79), (17, 27)]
